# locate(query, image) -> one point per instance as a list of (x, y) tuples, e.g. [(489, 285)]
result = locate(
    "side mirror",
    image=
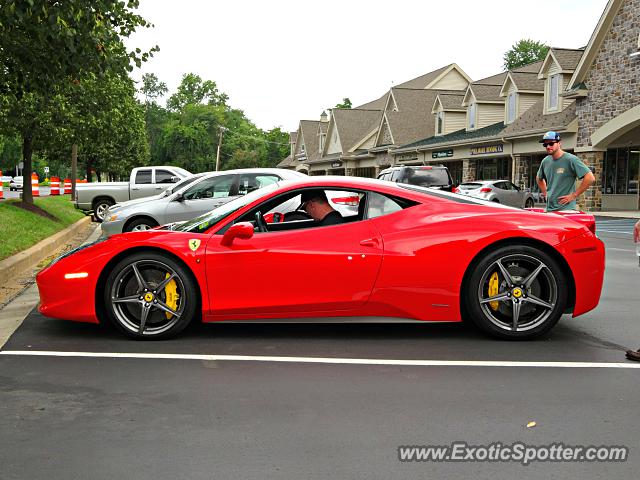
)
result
[(178, 198), (243, 230), (175, 179)]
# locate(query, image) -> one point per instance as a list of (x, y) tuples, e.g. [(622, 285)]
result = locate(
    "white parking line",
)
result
[(339, 361)]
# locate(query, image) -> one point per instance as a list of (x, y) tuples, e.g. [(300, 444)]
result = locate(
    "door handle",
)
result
[(370, 242)]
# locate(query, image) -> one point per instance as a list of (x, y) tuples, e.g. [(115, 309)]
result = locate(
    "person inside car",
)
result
[(315, 203)]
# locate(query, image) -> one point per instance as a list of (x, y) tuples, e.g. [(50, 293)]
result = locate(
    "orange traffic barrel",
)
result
[(35, 186), (67, 186), (55, 186), (1, 187)]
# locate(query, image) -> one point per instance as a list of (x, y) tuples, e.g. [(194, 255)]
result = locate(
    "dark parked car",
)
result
[(433, 176)]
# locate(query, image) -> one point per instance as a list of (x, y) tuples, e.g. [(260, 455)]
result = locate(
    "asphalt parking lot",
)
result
[(229, 401)]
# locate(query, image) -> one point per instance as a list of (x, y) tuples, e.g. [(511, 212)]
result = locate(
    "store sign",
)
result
[(442, 153), (336, 164), (406, 157), (487, 150)]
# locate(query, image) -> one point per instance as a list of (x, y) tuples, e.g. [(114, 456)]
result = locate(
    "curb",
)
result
[(29, 258)]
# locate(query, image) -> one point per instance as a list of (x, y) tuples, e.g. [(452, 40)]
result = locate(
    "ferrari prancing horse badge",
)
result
[(194, 244)]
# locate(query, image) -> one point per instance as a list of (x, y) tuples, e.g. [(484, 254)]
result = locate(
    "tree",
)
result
[(524, 52), (193, 90), (45, 45), (152, 88), (346, 103)]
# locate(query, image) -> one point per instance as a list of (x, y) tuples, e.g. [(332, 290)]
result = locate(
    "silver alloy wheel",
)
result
[(101, 210), (138, 297), (527, 293), (141, 227)]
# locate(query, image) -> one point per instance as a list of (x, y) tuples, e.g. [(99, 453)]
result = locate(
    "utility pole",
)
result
[(222, 129)]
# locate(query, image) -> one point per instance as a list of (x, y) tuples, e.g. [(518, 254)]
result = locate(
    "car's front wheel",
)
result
[(140, 225), (516, 292), (100, 208), (150, 296)]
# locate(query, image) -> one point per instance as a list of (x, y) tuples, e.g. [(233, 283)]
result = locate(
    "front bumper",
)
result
[(112, 228)]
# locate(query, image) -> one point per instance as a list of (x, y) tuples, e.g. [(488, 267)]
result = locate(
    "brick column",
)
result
[(591, 200), (468, 170), (521, 171)]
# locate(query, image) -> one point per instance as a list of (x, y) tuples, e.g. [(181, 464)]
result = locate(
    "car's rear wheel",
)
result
[(140, 225), (100, 208), (529, 203), (150, 296), (516, 292)]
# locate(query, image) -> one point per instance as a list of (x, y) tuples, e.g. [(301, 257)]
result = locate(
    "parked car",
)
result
[(499, 191), (144, 182), (15, 184), (636, 238), (432, 176), (410, 252), (190, 199)]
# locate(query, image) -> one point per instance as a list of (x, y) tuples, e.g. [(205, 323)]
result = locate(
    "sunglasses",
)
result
[(548, 144)]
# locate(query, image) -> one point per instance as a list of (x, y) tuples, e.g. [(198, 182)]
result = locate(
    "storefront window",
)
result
[(634, 170), (621, 173), (494, 169)]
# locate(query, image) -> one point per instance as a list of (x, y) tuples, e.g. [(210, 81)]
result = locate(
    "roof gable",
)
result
[(353, 124), (565, 59), (431, 79)]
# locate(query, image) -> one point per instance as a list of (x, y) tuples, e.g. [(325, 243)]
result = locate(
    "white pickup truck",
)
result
[(144, 182)]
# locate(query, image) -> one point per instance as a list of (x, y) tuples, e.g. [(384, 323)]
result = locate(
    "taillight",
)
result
[(351, 201), (485, 190)]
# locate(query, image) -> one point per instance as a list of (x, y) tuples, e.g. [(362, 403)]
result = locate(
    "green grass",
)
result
[(20, 229)]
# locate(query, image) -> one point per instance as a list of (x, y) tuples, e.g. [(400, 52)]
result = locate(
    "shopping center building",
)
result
[(490, 128)]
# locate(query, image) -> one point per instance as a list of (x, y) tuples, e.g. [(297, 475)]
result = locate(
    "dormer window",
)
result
[(472, 116), (439, 123), (511, 107), (554, 85)]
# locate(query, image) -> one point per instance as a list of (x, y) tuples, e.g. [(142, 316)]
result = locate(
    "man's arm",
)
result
[(588, 180), (542, 185)]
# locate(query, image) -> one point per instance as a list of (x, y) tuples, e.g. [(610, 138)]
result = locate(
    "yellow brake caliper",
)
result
[(494, 285), (171, 296)]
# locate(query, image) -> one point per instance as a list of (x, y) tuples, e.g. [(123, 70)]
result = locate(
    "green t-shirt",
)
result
[(561, 175)]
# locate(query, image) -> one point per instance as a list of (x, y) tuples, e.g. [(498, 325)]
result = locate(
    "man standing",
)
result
[(558, 173)]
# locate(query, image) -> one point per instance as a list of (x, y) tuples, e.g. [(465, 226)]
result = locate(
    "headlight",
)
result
[(77, 249)]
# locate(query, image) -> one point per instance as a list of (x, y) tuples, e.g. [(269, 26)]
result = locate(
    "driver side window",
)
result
[(213, 187)]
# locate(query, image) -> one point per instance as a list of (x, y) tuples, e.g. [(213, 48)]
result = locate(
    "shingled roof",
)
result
[(527, 81), (309, 131), (287, 162), (460, 136), (377, 104), (424, 80), (451, 101), (568, 58), (354, 124), (497, 79), (413, 120), (487, 93), (533, 120)]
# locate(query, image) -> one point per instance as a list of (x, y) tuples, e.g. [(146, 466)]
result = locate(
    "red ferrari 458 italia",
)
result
[(408, 254)]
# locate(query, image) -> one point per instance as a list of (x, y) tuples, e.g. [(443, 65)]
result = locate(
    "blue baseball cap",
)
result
[(550, 136)]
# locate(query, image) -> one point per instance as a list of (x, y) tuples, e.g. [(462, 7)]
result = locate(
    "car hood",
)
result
[(137, 201)]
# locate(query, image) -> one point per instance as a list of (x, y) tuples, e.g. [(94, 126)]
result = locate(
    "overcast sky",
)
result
[(285, 60)]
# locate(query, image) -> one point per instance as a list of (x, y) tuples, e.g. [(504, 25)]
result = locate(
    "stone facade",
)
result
[(591, 200), (468, 170), (614, 77), (520, 171)]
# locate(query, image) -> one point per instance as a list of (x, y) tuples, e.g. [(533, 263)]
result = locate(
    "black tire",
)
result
[(532, 320), (495, 200), (529, 203), (100, 208), (136, 296), (139, 224)]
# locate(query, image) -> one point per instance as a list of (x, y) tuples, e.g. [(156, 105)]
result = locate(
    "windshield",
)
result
[(428, 177), (182, 183), (203, 222)]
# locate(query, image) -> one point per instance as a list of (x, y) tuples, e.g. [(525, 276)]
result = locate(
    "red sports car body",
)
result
[(410, 253)]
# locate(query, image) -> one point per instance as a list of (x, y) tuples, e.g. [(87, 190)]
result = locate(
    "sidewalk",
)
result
[(618, 214), (16, 310)]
